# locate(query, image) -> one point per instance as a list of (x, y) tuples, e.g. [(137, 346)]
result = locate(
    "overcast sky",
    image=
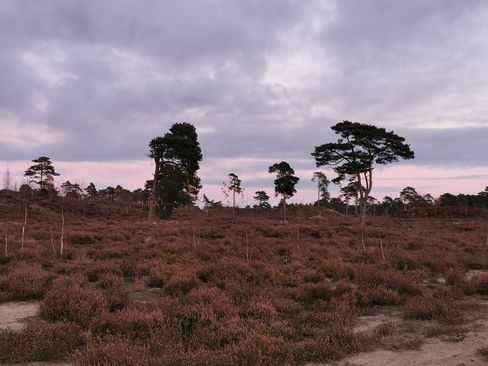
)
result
[(89, 83)]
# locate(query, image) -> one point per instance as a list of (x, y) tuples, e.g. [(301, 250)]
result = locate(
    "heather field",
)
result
[(207, 288)]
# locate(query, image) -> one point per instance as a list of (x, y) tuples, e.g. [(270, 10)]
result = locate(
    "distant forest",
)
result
[(408, 200), (175, 182)]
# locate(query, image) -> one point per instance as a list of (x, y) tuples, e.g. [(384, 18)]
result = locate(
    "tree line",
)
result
[(177, 156)]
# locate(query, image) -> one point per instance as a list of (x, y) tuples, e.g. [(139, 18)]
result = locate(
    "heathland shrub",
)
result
[(308, 293), (27, 281), (112, 351), (429, 307), (95, 271), (378, 296), (132, 324), (328, 345), (181, 284), (480, 284), (215, 299), (257, 349), (70, 302), (40, 342), (115, 291)]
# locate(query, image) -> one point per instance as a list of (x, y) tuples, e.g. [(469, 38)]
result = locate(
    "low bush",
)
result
[(40, 342), (115, 291), (429, 307), (480, 284), (70, 302), (378, 296), (112, 351), (25, 281), (131, 324)]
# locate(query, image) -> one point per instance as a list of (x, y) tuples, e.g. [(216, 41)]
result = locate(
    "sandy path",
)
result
[(13, 315), (436, 351)]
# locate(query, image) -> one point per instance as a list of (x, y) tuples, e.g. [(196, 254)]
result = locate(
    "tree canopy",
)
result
[(322, 187), (42, 173), (177, 157), (355, 153), (233, 188), (262, 200), (285, 182)]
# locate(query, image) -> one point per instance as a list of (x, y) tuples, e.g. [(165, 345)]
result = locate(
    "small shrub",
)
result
[(483, 351), (428, 308), (115, 291), (181, 284), (27, 281), (257, 349), (378, 296), (40, 342), (308, 293), (69, 302), (80, 240), (112, 351), (131, 324), (480, 284)]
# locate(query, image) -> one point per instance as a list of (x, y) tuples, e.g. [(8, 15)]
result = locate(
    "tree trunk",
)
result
[(23, 227), (153, 199), (62, 233), (52, 238), (284, 209), (6, 241)]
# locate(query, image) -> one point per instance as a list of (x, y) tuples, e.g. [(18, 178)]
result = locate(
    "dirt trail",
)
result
[(14, 315), (433, 352), (443, 350)]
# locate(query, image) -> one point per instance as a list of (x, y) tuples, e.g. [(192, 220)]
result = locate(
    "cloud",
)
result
[(264, 81)]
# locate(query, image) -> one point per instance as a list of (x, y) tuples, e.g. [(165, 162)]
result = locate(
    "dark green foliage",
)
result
[(208, 203), (233, 188), (42, 173), (359, 147), (323, 182), (262, 199), (177, 155), (71, 190), (285, 181), (91, 191)]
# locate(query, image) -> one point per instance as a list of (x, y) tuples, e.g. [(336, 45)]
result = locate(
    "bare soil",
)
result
[(14, 315), (450, 349)]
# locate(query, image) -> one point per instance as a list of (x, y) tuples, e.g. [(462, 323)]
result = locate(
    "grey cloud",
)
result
[(138, 67), (455, 147)]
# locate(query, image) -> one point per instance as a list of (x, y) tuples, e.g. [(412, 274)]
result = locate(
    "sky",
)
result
[(90, 83)]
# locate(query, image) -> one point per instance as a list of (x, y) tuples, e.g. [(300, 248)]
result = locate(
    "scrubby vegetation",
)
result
[(212, 288)]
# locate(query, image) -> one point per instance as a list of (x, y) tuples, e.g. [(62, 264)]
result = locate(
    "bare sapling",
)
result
[(6, 241), (194, 233), (52, 238), (298, 238), (362, 238), (486, 232), (249, 248), (62, 233), (382, 252), (23, 227)]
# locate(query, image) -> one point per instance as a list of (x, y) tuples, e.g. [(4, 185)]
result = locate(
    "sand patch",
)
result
[(14, 315)]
